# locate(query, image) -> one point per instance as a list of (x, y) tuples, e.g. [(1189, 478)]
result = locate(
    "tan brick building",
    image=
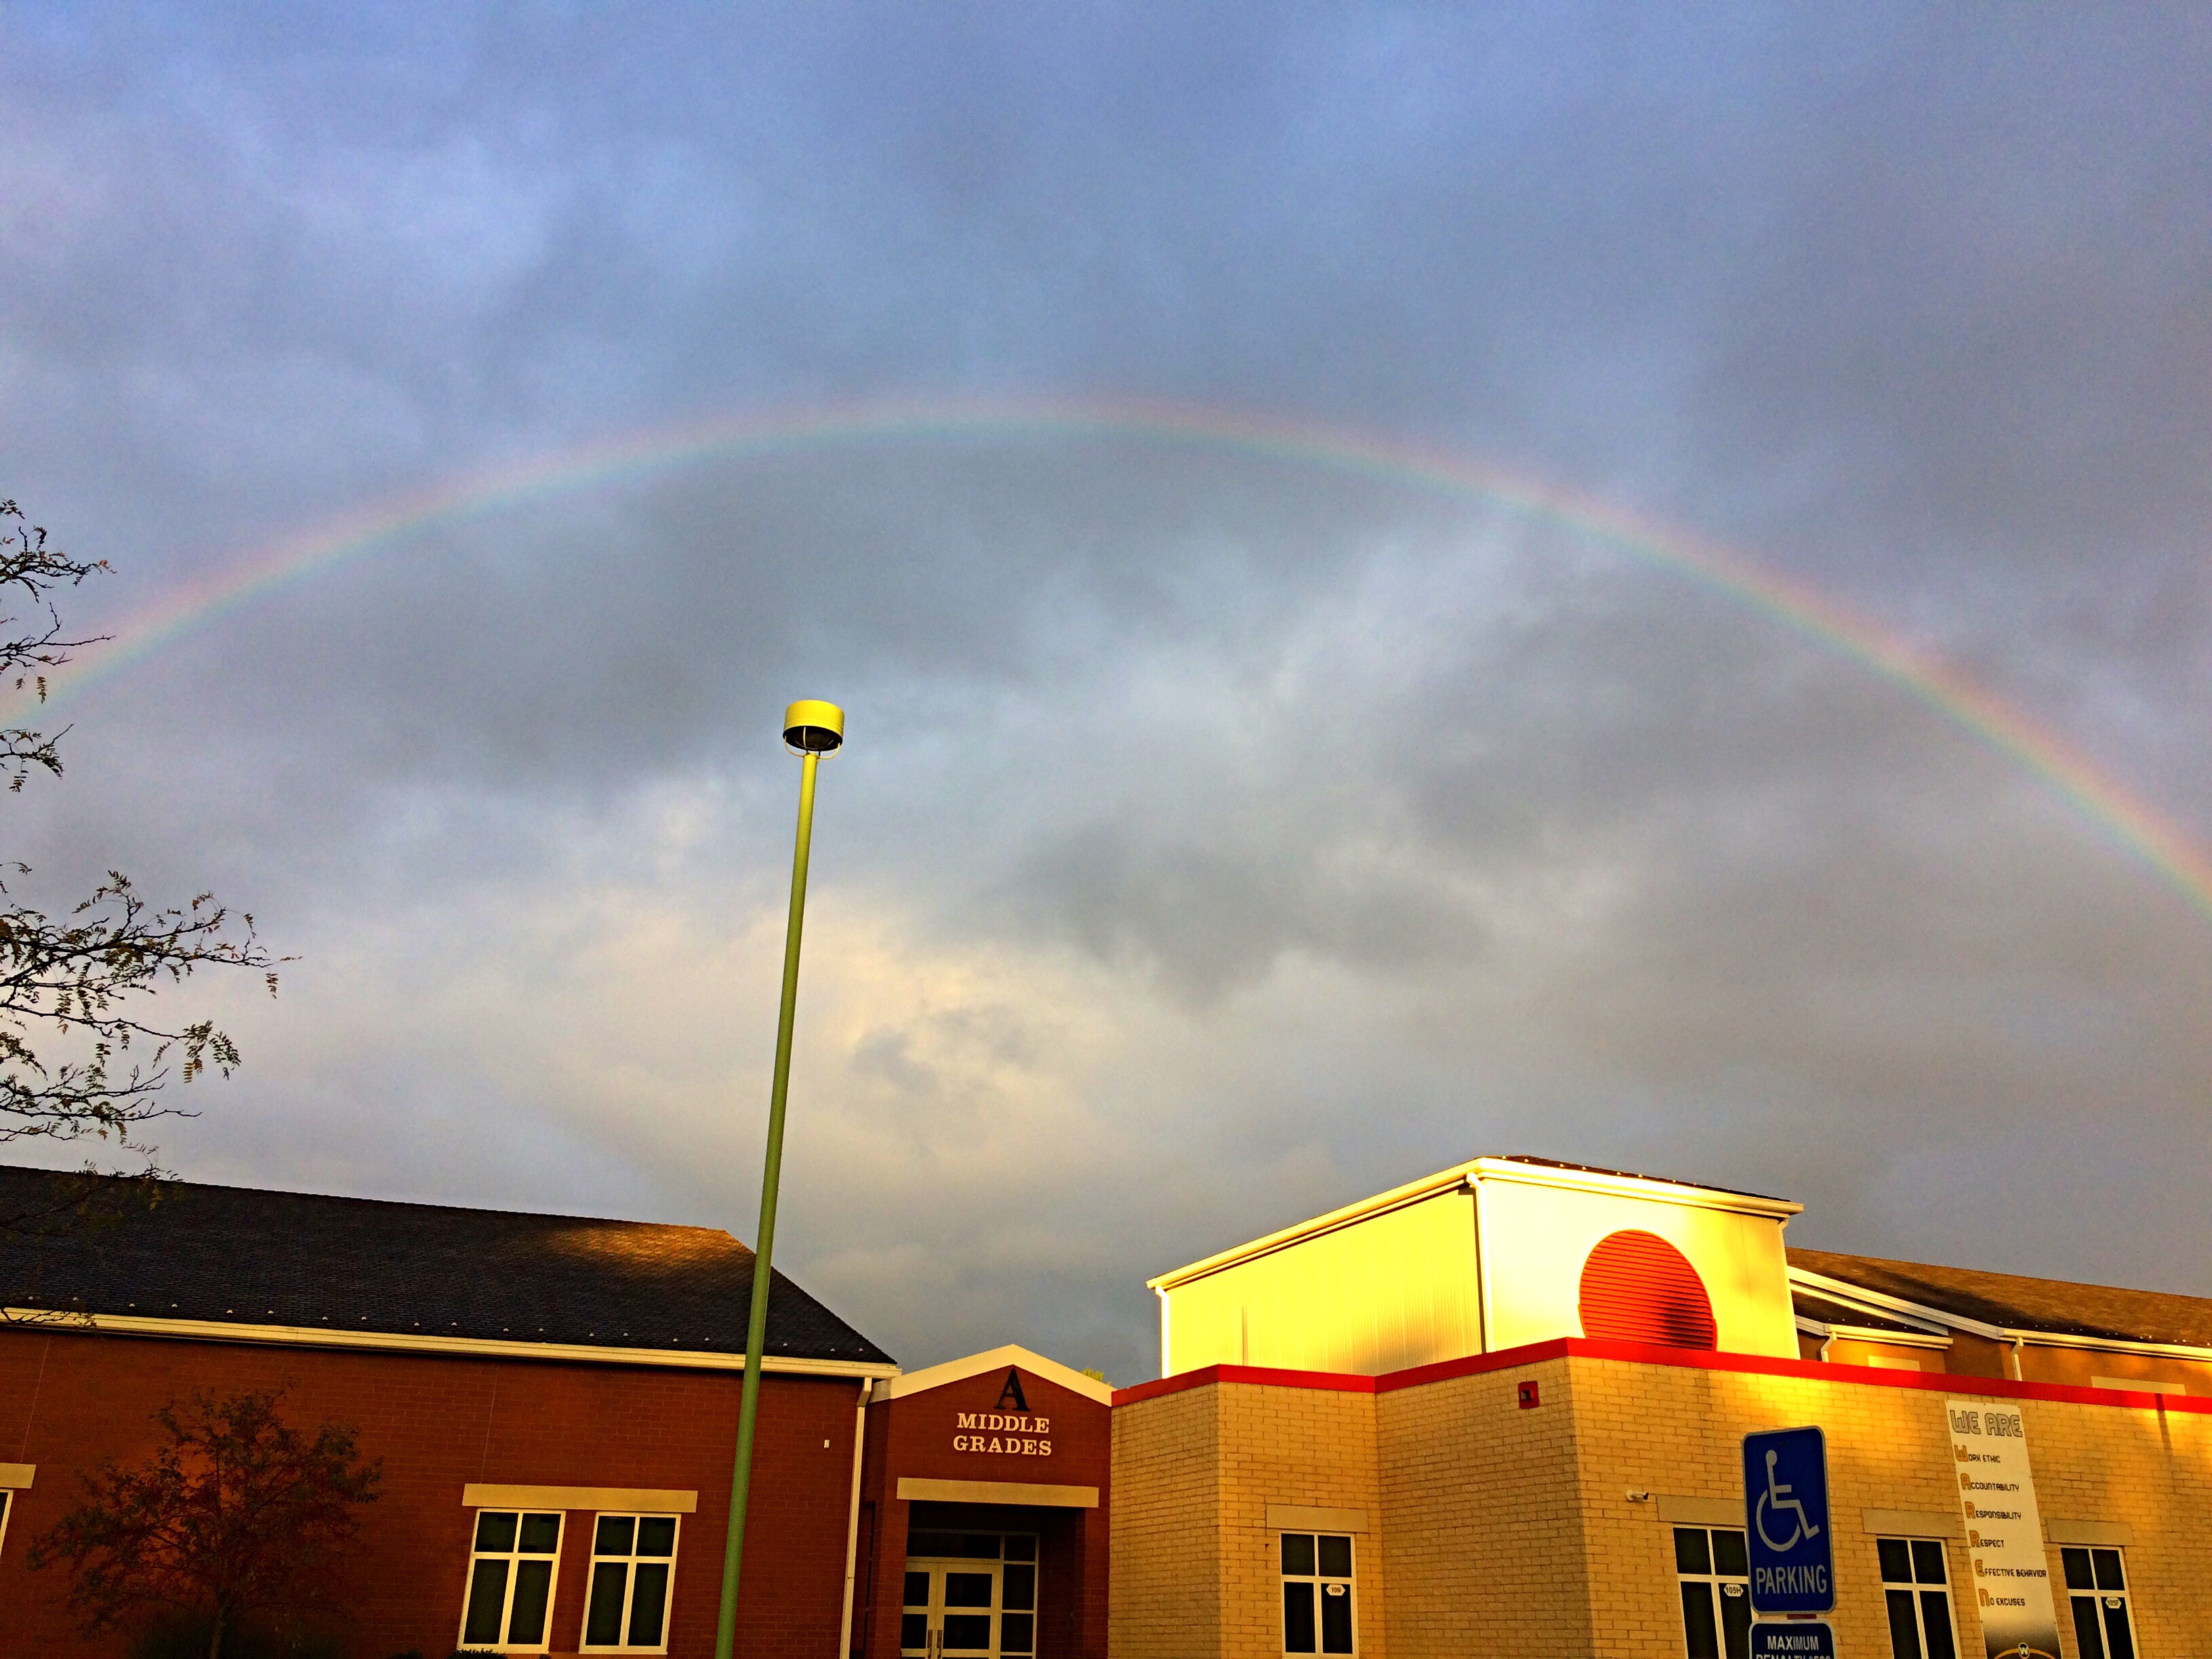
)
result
[(1578, 1489), (1496, 1412)]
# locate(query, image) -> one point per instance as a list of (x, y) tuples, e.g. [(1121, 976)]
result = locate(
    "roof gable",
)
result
[(1009, 1358)]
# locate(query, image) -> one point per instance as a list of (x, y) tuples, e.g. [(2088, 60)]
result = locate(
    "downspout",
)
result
[(1167, 1365), (1827, 1343), (852, 1518), (1481, 1270), (2018, 1344)]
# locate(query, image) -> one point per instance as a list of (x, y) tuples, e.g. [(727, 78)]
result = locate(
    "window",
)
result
[(632, 1557), (1018, 1587), (2098, 1590), (1716, 1583), (511, 1581), (1913, 1584), (1316, 1593)]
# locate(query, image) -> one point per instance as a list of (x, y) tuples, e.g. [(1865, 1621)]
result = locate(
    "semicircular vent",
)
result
[(1636, 1287)]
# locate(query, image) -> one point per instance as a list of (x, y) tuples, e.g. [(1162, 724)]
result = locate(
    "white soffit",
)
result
[(310, 1336), (1010, 1357), (1894, 1307), (1915, 1338)]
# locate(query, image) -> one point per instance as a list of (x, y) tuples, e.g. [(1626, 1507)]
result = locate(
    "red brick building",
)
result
[(984, 1510), (1498, 1409), (554, 1400)]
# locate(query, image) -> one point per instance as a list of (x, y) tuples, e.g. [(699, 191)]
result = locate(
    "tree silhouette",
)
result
[(78, 978), (237, 1518)]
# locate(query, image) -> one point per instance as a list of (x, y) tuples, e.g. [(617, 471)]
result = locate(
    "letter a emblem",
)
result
[(1014, 1391)]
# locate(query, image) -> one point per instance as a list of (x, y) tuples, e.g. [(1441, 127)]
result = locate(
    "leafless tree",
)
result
[(80, 1054)]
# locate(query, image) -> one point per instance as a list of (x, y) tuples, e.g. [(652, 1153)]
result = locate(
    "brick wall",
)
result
[(1297, 1446), (1480, 1516), (1679, 1431), (1197, 1569), (1163, 1601), (1511, 1531), (69, 1398)]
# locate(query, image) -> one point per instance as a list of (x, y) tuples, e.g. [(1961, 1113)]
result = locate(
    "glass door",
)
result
[(969, 1596), (951, 1610)]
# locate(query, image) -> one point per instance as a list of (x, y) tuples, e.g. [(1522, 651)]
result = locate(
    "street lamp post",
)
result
[(812, 729)]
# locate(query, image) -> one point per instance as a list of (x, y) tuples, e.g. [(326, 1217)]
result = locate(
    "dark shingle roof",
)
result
[(242, 1255), (2026, 1304)]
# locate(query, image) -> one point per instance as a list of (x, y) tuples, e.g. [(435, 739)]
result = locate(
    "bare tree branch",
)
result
[(31, 573), (79, 981)]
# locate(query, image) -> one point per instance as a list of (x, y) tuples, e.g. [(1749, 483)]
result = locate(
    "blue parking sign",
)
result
[(1785, 1511)]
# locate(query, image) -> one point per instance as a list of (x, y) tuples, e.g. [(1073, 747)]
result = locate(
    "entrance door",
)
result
[(951, 1610)]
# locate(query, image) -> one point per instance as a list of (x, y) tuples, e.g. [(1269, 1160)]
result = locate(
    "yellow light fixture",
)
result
[(813, 727)]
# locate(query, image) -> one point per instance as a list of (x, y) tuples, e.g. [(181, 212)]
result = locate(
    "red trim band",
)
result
[(1646, 1353)]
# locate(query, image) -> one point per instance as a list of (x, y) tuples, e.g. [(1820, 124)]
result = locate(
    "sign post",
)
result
[(1790, 1541)]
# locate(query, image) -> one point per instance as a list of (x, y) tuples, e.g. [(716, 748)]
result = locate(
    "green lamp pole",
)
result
[(813, 729)]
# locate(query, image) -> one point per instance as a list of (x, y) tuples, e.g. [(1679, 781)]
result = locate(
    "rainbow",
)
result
[(2076, 781)]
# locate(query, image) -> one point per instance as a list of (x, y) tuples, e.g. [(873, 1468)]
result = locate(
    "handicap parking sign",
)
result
[(1785, 1510)]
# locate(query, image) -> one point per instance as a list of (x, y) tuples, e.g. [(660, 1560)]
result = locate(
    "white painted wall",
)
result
[(1536, 1235), (1434, 1271)]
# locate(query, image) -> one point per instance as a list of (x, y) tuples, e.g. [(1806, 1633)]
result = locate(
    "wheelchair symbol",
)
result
[(1777, 1497)]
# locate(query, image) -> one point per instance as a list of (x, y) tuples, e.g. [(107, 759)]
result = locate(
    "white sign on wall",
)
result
[(2004, 1529)]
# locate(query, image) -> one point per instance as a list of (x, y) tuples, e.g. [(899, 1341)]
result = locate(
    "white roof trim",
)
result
[(1842, 1290), (1873, 1333), (1412, 1191), (2111, 1345), (1653, 1188), (1467, 1176), (309, 1336), (996, 1359), (1865, 1304)]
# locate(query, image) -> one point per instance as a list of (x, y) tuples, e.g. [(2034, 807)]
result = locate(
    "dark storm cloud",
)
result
[(1221, 838)]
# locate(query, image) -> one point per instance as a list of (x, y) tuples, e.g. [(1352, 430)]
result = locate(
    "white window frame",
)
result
[(1034, 1613), (1320, 1582), (1918, 1587), (515, 1557), (1715, 1581), (630, 1579), (2125, 1595)]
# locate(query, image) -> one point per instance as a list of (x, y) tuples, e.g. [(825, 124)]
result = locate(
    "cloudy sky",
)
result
[(1224, 835)]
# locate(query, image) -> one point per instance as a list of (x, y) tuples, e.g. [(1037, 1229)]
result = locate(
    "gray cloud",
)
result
[(1222, 837)]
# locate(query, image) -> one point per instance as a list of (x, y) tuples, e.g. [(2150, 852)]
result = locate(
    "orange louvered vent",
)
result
[(1636, 1287)]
